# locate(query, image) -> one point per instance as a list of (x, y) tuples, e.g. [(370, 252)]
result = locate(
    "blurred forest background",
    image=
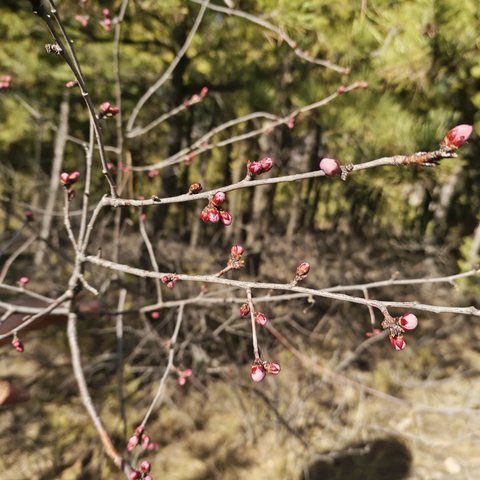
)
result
[(422, 62)]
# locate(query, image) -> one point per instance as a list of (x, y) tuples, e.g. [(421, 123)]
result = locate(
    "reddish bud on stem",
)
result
[(330, 167), (398, 342), (218, 198), (226, 218), (457, 136), (237, 251), (244, 310), (261, 319), (257, 373), (273, 368)]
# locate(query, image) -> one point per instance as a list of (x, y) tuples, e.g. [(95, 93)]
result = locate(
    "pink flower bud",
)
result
[(110, 166), (106, 12), (155, 315), (303, 269), (273, 368), (293, 44), (18, 345), (244, 310), (188, 372), (134, 475), (182, 381), (151, 446), (148, 477), (195, 98), (237, 251), (226, 218), (261, 319), (330, 167), (114, 111), (218, 198), (23, 280), (73, 177), (257, 373), (145, 466), (145, 442), (71, 84), (341, 89), (170, 284), (457, 136), (153, 173), (213, 215), (139, 430), (291, 123), (408, 321), (255, 168), (165, 279), (203, 92), (132, 443), (105, 107), (398, 342), (266, 163), (82, 20), (64, 178), (373, 333)]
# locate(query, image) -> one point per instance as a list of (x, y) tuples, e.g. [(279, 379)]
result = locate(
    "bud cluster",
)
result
[(170, 280), (214, 211), (235, 262), (17, 345), (106, 23), (260, 318), (261, 367), (140, 438), (262, 166), (5, 82), (183, 375), (107, 110), (398, 327), (142, 473)]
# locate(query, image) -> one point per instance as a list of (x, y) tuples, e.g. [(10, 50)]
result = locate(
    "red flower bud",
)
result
[(213, 215), (105, 107), (145, 466), (303, 269), (23, 280), (398, 342), (203, 92), (218, 198), (255, 168), (155, 315), (165, 279), (266, 163), (64, 178), (261, 319), (408, 321), (18, 345), (244, 310), (225, 218), (273, 368), (71, 84), (204, 214), (330, 167), (134, 475), (170, 284), (257, 373), (237, 251), (29, 216), (341, 89), (139, 430), (195, 188), (457, 136)]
